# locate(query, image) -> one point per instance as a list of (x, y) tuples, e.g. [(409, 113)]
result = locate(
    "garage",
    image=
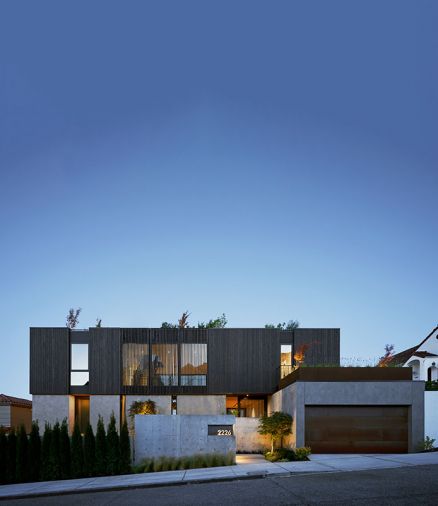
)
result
[(357, 429)]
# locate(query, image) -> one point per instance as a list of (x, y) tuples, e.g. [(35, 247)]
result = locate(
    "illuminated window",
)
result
[(164, 365), (285, 360), (135, 358), (193, 364), (82, 413)]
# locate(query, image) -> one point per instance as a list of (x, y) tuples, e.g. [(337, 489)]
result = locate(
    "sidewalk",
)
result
[(247, 467)]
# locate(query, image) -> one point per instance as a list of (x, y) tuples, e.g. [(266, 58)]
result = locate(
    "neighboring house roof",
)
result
[(424, 354), (404, 356), (8, 400)]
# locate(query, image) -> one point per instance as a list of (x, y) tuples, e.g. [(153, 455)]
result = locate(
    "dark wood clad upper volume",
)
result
[(49, 360)]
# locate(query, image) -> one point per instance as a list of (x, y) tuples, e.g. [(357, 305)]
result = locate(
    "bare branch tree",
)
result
[(72, 318)]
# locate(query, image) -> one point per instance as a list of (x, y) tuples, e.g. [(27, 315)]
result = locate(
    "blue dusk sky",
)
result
[(270, 160)]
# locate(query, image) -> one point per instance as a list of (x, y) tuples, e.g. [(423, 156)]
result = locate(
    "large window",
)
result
[(193, 364), (79, 375), (285, 360), (164, 365), (135, 359)]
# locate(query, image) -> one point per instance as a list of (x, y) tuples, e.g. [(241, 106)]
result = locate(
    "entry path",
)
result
[(247, 467)]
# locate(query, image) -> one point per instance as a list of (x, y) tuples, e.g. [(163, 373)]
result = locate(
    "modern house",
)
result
[(15, 412), (423, 358), (81, 374)]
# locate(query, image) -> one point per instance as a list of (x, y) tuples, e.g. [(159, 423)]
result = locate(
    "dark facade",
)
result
[(148, 361)]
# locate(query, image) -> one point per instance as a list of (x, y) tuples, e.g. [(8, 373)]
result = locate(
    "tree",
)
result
[(46, 472), (183, 322), (89, 452), (98, 322), (77, 453), (101, 448), (125, 450), (277, 425), (34, 453), (72, 319), (3, 455), (387, 357), (219, 323), (11, 457), (22, 470), (55, 463), (167, 325), (64, 450), (290, 325), (113, 445)]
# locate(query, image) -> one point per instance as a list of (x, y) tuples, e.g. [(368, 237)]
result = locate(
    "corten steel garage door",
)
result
[(357, 429)]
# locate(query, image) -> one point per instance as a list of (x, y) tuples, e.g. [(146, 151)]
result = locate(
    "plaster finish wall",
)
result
[(180, 435), (104, 405), (201, 404), (431, 415), (21, 416), (162, 404), (247, 438), (50, 409)]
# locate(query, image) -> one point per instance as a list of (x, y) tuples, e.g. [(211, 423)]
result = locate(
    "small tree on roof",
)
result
[(277, 425), (72, 318)]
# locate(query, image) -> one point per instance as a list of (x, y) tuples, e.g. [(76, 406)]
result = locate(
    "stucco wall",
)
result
[(201, 404), (431, 415), (50, 409), (5, 416), (104, 405), (21, 416), (180, 435), (247, 438)]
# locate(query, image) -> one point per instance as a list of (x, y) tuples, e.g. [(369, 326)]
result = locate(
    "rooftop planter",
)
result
[(347, 374)]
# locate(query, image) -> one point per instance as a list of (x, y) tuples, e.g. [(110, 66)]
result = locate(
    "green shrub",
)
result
[(46, 472), (64, 450), (142, 408), (34, 453), (3, 456), (54, 453), (302, 453), (11, 457), (431, 385), (22, 470), (125, 450), (113, 448), (427, 444), (77, 453), (89, 452), (101, 448)]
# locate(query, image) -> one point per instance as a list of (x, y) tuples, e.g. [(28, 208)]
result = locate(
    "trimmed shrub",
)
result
[(89, 452), (125, 450), (101, 448), (11, 457), (77, 453), (302, 453), (64, 450), (3, 455), (113, 448), (288, 455), (55, 464), (46, 471), (22, 470), (34, 453)]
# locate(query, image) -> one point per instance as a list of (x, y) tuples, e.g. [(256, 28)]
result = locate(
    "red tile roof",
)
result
[(8, 400)]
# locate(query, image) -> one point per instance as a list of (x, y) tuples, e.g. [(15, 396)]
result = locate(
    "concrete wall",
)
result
[(104, 405), (431, 415), (247, 438), (51, 409), (180, 435), (162, 405), (5, 416), (296, 396), (201, 404)]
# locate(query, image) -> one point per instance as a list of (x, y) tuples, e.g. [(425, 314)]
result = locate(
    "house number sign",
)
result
[(220, 430)]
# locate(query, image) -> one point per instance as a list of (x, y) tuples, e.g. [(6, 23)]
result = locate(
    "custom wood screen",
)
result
[(357, 429), (193, 364), (164, 364), (135, 359)]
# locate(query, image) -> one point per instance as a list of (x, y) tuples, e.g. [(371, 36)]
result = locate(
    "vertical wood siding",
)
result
[(104, 360), (49, 360)]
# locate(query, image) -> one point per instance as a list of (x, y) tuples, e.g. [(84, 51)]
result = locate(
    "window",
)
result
[(82, 413), (285, 360), (135, 359), (194, 364), (79, 374), (164, 364)]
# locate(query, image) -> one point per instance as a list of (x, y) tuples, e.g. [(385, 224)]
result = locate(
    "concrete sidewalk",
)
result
[(247, 467)]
